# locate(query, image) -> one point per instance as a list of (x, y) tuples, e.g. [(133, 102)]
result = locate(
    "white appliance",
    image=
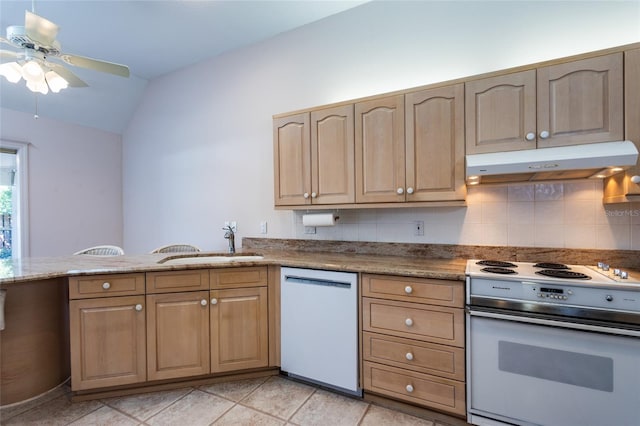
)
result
[(552, 344), (319, 327)]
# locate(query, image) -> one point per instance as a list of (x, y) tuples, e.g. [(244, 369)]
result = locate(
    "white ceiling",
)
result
[(152, 38)]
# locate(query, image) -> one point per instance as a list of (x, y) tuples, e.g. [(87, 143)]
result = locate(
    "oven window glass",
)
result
[(568, 367)]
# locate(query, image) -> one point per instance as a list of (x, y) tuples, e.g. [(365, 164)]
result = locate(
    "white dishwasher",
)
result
[(319, 327)]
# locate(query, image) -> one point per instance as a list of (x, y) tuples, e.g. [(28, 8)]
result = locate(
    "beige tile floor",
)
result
[(265, 401)]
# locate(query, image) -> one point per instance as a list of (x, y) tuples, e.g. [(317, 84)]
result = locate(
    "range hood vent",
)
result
[(595, 160)]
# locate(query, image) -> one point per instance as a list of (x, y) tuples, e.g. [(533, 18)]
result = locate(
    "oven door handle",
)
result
[(554, 323)]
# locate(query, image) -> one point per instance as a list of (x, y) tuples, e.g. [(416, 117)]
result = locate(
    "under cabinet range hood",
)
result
[(595, 160)]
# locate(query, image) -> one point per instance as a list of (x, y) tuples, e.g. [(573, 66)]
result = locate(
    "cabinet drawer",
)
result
[(239, 277), (106, 286), (167, 282), (422, 322), (428, 358), (423, 389), (422, 290)]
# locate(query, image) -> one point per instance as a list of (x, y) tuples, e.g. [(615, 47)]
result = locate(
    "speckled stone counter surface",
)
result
[(439, 261)]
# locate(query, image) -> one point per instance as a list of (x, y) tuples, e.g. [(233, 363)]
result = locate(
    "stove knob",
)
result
[(569, 292), (624, 275), (600, 265), (608, 298), (616, 272), (605, 267)]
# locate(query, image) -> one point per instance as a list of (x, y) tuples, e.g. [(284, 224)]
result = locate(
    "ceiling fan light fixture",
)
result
[(55, 81), (39, 87), (12, 71), (32, 72)]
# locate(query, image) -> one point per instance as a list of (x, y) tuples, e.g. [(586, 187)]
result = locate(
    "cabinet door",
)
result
[(292, 160), (632, 112), (380, 157), (107, 339), (239, 329), (581, 102), (177, 335), (500, 112), (332, 156), (435, 144)]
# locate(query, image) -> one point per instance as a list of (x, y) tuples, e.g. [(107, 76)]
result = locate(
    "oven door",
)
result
[(536, 371)]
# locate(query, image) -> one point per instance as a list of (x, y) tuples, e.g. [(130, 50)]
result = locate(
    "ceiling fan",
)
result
[(38, 44)]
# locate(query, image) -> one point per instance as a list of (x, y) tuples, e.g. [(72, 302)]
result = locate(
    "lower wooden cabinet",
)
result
[(239, 329), (422, 389), (413, 341), (179, 324), (177, 335), (108, 346)]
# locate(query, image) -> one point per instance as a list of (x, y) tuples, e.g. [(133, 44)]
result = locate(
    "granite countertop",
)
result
[(30, 269)]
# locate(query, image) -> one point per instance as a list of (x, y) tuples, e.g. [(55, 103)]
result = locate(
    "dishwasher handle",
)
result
[(316, 281)]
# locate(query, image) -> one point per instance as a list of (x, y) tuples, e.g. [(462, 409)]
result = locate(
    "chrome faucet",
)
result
[(231, 236)]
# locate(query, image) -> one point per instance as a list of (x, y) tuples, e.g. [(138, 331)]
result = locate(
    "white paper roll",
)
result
[(319, 219)]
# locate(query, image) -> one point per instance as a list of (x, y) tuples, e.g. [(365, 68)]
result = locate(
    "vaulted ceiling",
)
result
[(152, 38)]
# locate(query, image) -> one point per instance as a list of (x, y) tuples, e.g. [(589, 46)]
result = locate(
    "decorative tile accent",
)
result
[(326, 408), (377, 416), (234, 391), (195, 409), (279, 397)]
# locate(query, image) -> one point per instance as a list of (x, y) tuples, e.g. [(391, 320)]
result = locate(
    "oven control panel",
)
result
[(561, 294)]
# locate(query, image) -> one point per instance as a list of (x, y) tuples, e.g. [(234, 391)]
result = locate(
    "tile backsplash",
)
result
[(567, 214)]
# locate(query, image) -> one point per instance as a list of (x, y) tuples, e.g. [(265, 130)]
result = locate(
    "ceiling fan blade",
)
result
[(39, 29), (95, 64), (4, 40), (7, 55), (67, 75)]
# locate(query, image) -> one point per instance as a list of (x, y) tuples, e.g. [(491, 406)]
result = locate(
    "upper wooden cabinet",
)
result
[(313, 154), (619, 188), (434, 144), (292, 160), (566, 104), (380, 156)]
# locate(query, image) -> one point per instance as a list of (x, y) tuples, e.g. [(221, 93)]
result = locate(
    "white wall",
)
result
[(198, 150), (75, 183)]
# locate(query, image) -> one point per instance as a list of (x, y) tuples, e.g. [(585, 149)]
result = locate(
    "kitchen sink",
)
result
[(213, 258)]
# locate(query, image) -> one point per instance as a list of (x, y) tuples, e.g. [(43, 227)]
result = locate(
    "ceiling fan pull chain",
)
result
[(36, 116)]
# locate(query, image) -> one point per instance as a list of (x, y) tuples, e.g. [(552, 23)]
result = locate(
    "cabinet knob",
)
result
[(544, 134), (409, 356), (530, 136), (635, 179), (138, 307), (214, 301), (408, 289), (314, 195), (400, 191), (106, 286), (409, 388), (409, 190), (305, 195), (203, 302), (408, 322)]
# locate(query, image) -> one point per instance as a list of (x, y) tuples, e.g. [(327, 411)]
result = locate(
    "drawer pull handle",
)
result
[(203, 302), (138, 307), (214, 301), (409, 356), (409, 322), (409, 388), (408, 289), (106, 286)]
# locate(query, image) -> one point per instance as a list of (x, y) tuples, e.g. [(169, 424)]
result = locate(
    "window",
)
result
[(14, 237)]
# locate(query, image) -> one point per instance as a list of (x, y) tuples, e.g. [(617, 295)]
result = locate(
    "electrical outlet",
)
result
[(418, 228), (263, 227), (309, 229)]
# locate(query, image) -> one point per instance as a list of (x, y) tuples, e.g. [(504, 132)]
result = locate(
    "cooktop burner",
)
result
[(563, 273), (497, 270), (551, 265), (497, 263)]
